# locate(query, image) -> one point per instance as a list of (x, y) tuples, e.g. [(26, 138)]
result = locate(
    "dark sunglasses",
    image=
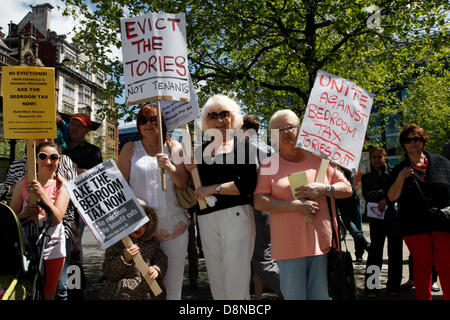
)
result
[(221, 115), (143, 120), (43, 156), (413, 139)]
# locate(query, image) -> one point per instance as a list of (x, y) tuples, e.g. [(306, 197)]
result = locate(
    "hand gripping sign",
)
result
[(110, 209)]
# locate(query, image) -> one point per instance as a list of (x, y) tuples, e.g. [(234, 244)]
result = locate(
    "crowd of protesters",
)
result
[(253, 229)]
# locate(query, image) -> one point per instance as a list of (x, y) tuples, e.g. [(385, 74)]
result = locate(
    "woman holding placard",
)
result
[(49, 189), (300, 227), (140, 163), (227, 226), (421, 186)]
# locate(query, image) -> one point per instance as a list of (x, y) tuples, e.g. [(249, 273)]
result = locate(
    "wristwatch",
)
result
[(330, 189), (218, 188)]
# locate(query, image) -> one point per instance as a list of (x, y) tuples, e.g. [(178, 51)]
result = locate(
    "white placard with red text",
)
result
[(155, 61), (335, 120)]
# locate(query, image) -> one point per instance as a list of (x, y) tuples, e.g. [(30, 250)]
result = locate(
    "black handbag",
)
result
[(439, 217), (341, 277)]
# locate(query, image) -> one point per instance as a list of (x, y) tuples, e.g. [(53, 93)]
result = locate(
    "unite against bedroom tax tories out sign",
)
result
[(155, 57), (335, 120)]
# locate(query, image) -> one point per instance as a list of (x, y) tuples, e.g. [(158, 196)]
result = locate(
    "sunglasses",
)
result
[(143, 120), (221, 115), (413, 139), (43, 156)]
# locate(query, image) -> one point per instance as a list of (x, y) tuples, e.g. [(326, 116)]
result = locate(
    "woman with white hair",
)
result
[(227, 228), (299, 246)]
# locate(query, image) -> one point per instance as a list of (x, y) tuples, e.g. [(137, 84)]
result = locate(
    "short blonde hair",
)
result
[(224, 103), (285, 113)]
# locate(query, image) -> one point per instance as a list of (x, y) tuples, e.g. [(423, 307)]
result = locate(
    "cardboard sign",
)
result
[(106, 203), (335, 121), (28, 102), (155, 58), (178, 113)]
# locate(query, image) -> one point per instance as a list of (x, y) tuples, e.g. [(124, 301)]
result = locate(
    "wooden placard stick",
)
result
[(161, 142), (143, 268), (188, 156), (31, 171), (320, 178)]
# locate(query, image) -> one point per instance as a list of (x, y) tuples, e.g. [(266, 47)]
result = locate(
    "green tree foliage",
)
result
[(428, 106), (266, 53)]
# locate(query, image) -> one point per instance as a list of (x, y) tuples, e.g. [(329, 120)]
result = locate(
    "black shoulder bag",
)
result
[(341, 277)]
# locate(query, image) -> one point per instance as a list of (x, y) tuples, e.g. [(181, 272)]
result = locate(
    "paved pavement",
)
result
[(93, 258)]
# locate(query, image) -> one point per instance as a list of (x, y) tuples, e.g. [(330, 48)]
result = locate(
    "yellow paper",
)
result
[(297, 180), (29, 110)]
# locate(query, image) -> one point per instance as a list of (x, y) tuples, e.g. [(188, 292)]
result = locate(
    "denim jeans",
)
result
[(304, 278), (61, 289), (352, 222)]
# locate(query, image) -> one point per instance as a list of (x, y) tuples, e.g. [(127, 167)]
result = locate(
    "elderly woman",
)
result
[(140, 163), (227, 228), (421, 184), (299, 247)]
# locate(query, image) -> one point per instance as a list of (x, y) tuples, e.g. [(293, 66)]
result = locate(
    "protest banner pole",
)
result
[(188, 155), (161, 142), (142, 267), (31, 170)]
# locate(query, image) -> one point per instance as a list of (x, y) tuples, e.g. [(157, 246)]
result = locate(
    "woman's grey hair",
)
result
[(220, 102), (285, 113)]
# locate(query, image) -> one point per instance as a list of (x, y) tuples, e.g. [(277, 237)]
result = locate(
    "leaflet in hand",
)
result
[(374, 212)]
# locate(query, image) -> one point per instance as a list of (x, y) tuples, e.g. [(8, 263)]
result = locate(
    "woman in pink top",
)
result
[(49, 189), (299, 246)]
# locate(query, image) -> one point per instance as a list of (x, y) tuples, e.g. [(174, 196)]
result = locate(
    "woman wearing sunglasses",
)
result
[(49, 189), (140, 163), (421, 184), (227, 227)]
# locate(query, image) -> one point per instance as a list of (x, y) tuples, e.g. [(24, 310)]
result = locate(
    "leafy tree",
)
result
[(427, 105), (267, 53)]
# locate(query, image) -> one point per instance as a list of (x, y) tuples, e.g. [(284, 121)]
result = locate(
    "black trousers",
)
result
[(379, 231)]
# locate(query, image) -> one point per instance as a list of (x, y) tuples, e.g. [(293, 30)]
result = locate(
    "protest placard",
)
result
[(178, 113), (28, 102), (335, 120), (106, 203), (155, 57)]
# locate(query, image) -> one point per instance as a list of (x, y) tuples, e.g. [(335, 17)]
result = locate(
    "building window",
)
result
[(111, 133), (69, 89), (84, 95)]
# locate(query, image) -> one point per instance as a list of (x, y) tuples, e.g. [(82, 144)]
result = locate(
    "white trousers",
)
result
[(228, 238), (176, 251)]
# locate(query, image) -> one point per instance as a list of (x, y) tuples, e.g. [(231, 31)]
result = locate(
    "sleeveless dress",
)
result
[(145, 181), (56, 246)]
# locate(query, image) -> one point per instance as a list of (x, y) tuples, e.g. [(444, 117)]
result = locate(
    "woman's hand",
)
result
[(405, 173), (308, 207), (382, 205), (130, 252), (311, 191), (203, 192), (153, 273), (165, 163), (36, 187)]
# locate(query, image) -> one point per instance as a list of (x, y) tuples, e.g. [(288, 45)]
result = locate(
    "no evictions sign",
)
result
[(335, 121), (28, 102)]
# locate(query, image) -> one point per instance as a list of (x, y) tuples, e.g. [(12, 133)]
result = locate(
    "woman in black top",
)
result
[(227, 228), (420, 183), (383, 223)]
